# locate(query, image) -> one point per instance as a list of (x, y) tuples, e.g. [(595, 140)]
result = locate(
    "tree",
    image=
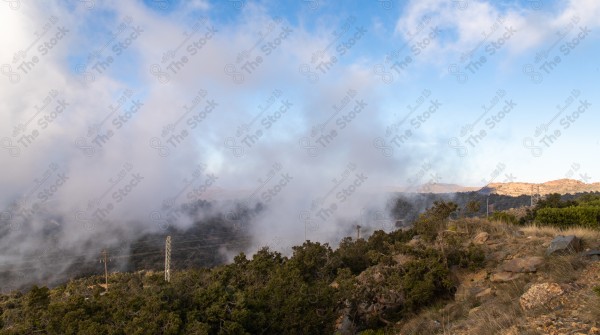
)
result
[(430, 223), (38, 298), (473, 207), (353, 255)]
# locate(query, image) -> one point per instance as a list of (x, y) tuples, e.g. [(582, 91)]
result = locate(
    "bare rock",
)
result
[(501, 277), (484, 293), (539, 295), (343, 324), (481, 238), (564, 245), (525, 264), (592, 254)]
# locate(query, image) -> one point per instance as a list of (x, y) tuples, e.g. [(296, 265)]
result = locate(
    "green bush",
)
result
[(583, 216), (425, 281), (430, 223), (504, 217), (592, 203), (472, 257)]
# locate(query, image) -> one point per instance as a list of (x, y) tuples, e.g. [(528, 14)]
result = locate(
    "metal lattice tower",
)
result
[(168, 259)]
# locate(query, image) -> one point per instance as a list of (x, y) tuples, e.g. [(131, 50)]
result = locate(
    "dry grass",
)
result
[(423, 324), (585, 233), (472, 226), (563, 268), (590, 302), (502, 313)]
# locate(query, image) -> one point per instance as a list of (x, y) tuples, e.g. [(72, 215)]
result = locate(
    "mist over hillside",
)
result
[(215, 238)]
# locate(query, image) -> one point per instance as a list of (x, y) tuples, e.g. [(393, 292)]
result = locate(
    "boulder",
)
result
[(539, 295), (385, 299), (564, 245), (481, 238), (525, 264)]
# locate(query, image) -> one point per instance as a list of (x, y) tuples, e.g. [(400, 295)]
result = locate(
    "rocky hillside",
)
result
[(529, 285), (561, 186), (465, 276)]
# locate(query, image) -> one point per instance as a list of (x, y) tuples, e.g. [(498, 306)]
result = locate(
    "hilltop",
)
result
[(513, 189), (560, 186)]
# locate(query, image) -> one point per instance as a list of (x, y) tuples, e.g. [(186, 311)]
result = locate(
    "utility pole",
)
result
[(487, 207), (357, 232), (532, 196), (168, 259), (105, 260), (535, 197)]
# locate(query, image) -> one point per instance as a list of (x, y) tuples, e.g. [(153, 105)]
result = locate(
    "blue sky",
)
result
[(405, 92)]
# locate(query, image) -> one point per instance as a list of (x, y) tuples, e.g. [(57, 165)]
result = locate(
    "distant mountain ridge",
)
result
[(515, 189), (561, 186)]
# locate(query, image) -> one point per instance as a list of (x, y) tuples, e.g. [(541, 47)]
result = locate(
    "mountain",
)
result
[(561, 186)]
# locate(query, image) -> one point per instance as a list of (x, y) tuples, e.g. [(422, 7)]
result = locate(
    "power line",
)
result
[(115, 250), (65, 260)]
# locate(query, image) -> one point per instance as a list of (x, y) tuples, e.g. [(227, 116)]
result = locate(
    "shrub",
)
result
[(430, 223), (588, 217), (472, 258), (424, 281), (504, 217)]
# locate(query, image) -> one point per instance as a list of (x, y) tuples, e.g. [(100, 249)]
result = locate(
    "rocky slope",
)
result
[(521, 290)]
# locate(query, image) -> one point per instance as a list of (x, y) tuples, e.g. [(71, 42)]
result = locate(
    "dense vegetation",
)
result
[(560, 211), (470, 204), (362, 281), (367, 283)]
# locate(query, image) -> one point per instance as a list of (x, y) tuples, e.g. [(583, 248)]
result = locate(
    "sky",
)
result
[(113, 113)]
